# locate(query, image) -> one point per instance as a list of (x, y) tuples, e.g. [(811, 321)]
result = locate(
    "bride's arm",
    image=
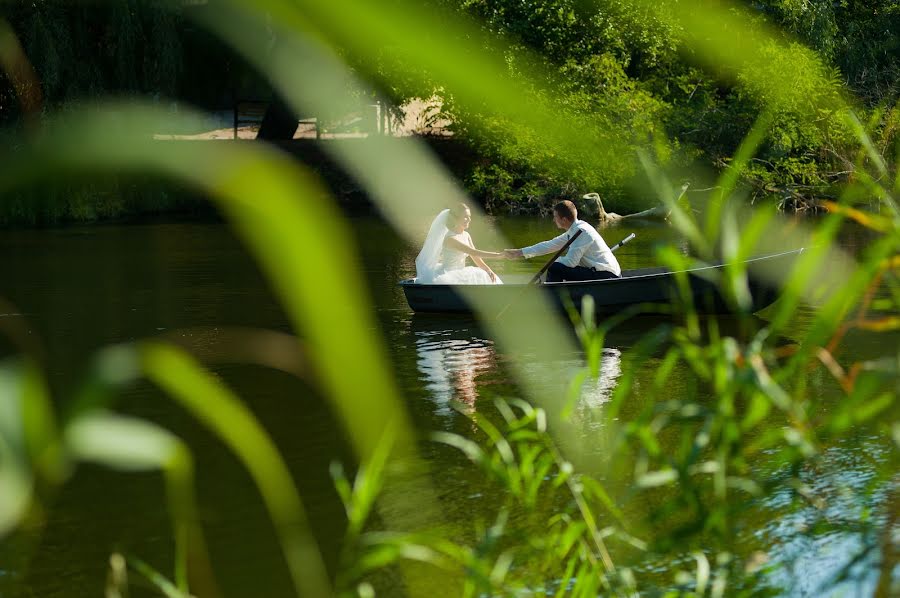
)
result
[(458, 245), (475, 254), (480, 263)]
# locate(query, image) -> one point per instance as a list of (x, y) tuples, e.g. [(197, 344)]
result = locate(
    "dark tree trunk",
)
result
[(278, 123)]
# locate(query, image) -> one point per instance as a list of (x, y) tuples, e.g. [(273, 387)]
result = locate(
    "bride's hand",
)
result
[(492, 275)]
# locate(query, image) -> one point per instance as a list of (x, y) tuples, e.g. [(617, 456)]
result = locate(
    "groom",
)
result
[(588, 257)]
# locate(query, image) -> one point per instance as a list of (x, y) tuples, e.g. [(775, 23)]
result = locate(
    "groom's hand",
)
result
[(512, 254)]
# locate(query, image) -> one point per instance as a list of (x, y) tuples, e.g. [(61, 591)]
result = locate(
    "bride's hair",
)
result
[(457, 212)]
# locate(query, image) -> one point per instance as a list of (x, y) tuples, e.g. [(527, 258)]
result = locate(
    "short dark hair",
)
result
[(566, 209)]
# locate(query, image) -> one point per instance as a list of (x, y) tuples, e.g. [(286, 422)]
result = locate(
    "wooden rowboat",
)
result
[(653, 288)]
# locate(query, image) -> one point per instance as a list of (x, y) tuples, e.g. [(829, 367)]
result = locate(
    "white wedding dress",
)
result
[(455, 271), (437, 264)]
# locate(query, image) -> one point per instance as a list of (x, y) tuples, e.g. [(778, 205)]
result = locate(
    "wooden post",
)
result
[(236, 105)]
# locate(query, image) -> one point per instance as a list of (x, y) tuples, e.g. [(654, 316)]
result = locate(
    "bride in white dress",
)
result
[(448, 244)]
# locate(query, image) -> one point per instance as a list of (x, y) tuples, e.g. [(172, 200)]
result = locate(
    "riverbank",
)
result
[(130, 198), (499, 188)]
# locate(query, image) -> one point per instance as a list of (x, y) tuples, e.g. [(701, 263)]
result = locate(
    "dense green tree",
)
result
[(859, 37), (627, 63), (597, 60), (83, 50)]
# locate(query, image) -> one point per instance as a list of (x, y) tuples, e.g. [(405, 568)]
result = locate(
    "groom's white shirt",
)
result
[(588, 250)]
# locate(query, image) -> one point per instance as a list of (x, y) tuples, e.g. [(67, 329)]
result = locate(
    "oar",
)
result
[(547, 265), (622, 242), (555, 255)]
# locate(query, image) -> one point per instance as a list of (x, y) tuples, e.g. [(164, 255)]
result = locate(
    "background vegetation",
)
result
[(625, 69), (632, 68)]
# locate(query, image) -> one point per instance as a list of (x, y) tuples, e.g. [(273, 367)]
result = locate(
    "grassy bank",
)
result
[(105, 199), (131, 198)]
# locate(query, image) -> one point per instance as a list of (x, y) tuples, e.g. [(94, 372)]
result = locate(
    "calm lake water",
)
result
[(78, 289)]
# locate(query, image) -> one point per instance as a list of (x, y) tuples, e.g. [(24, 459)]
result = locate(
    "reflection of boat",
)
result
[(457, 362), (654, 288)]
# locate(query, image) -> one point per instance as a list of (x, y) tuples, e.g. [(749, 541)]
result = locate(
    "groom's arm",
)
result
[(545, 247)]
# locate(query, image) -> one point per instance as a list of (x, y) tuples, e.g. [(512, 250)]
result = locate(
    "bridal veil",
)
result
[(428, 262)]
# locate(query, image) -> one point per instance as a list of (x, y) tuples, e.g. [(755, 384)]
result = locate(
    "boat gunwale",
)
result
[(568, 283)]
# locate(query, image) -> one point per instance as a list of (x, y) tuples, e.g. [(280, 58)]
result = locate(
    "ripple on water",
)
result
[(813, 540)]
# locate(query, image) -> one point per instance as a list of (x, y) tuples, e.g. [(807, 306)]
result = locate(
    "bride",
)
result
[(443, 256)]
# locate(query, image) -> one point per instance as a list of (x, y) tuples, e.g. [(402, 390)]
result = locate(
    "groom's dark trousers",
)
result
[(559, 272)]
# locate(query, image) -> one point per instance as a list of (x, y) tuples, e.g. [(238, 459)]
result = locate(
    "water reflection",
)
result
[(451, 356), (825, 539), (457, 361), (595, 392)]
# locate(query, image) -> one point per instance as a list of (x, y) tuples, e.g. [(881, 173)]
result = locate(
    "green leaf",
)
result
[(873, 407), (594, 489), (702, 580), (121, 442), (658, 478), (214, 405), (156, 579), (132, 444), (573, 532), (468, 448), (368, 484), (757, 410), (682, 220), (18, 389), (342, 485), (17, 484), (501, 567)]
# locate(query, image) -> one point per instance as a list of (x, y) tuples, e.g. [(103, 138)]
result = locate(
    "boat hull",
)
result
[(655, 290)]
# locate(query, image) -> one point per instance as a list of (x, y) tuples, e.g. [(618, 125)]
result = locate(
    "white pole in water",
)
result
[(622, 242)]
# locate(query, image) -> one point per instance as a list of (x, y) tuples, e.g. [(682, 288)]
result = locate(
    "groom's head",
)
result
[(564, 214)]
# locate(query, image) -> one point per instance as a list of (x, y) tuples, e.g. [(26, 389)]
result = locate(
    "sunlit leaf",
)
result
[(214, 405), (873, 221), (654, 479), (469, 448), (756, 412), (881, 325), (702, 579), (121, 442), (15, 472), (729, 178), (156, 579), (17, 488)]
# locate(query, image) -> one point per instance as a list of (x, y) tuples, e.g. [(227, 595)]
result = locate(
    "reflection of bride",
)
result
[(454, 361), (443, 256)]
